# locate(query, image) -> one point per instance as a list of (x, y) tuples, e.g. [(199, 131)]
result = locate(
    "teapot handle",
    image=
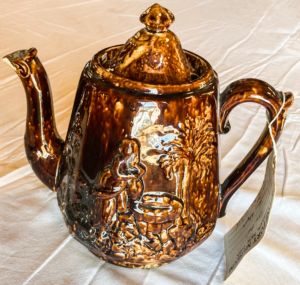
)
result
[(251, 90)]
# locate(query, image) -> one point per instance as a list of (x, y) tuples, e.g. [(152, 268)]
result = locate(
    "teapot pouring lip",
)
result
[(22, 55), (97, 71)]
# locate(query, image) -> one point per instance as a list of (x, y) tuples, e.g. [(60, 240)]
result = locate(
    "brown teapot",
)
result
[(137, 178)]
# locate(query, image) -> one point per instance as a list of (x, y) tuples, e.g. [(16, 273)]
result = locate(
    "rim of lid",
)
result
[(155, 89)]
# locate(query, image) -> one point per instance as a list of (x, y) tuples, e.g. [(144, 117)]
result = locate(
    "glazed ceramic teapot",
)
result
[(137, 178)]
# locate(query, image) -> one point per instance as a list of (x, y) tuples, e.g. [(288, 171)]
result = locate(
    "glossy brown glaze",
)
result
[(251, 90), (43, 144), (138, 181), (137, 178), (157, 18), (153, 55)]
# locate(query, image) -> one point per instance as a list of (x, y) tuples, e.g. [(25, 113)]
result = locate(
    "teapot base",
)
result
[(129, 265)]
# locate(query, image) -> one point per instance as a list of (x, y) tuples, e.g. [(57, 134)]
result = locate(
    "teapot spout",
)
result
[(43, 144)]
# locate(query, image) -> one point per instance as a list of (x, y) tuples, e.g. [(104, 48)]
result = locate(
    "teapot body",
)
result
[(138, 180)]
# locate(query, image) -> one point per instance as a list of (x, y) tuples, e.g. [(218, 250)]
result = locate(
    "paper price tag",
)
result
[(250, 229)]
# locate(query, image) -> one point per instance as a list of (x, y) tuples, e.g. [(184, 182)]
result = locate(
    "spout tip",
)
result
[(6, 60), (19, 60), (20, 54)]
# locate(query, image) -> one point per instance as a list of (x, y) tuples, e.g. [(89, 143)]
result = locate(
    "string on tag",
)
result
[(270, 126)]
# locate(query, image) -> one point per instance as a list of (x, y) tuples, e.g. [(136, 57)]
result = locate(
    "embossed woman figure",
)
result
[(122, 177)]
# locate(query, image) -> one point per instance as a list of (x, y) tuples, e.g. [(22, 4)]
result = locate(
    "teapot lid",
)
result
[(154, 54)]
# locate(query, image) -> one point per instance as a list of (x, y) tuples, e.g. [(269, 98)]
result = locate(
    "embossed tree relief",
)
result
[(189, 153)]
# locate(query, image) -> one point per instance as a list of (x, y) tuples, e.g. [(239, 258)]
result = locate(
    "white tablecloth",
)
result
[(259, 39)]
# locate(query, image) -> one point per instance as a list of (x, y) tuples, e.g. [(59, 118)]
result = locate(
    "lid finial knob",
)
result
[(157, 18)]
